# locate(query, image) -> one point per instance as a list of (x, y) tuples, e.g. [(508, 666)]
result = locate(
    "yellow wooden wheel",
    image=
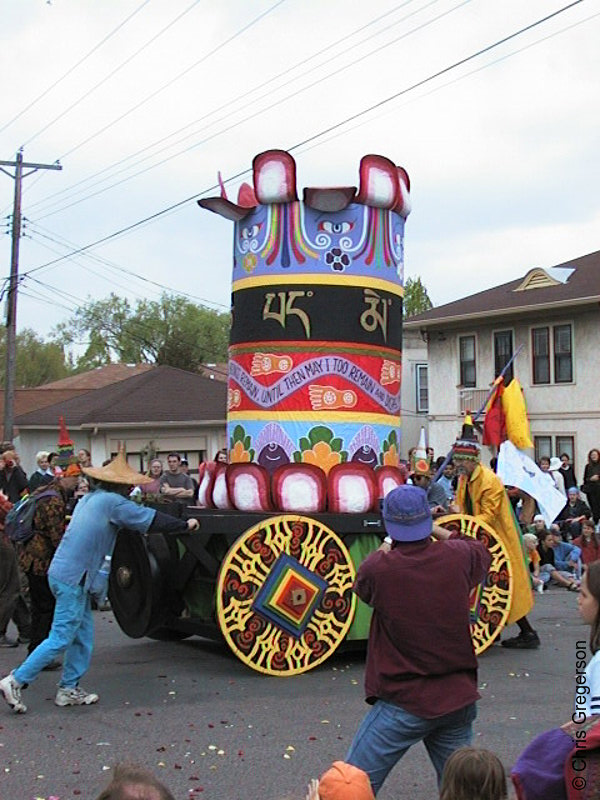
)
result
[(491, 600), (284, 595)]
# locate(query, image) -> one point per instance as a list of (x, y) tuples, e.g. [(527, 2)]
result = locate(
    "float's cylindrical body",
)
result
[(316, 341)]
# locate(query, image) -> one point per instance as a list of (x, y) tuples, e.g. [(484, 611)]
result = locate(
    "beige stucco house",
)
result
[(551, 319), (414, 392)]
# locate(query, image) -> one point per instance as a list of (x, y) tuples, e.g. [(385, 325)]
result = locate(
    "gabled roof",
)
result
[(573, 283), (157, 395), (101, 376)]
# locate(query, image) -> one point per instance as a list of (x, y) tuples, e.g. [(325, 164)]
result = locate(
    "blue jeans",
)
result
[(72, 632), (387, 731)]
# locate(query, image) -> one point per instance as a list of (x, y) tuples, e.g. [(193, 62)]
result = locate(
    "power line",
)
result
[(456, 80), (242, 96), (176, 78), (111, 74), (80, 264), (318, 135), (124, 270), (144, 337), (74, 67), (269, 107)]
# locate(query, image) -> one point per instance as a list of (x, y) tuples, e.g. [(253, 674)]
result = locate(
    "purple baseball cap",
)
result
[(406, 514)]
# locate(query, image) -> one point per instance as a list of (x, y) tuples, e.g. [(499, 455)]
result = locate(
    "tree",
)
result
[(416, 299), (38, 361), (172, 331)]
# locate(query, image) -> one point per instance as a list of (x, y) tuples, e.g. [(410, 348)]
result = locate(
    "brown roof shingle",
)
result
[(161, 394), (101, 376), (582, 287)]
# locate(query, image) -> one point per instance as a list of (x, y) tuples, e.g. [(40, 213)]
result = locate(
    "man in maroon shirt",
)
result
[(421, 670)]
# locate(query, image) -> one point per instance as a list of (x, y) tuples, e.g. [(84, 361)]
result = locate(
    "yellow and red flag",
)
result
[(515, 411), (494, 426)]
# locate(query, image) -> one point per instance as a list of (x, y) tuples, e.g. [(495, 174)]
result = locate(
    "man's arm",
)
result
[(176, 491), (365, 578), (480, 555), (437, 497)]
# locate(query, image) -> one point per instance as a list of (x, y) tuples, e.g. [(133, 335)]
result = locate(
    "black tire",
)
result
[(168, 635), (136, 586)]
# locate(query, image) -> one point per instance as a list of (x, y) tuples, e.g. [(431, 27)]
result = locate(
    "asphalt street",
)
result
[(210, 727)]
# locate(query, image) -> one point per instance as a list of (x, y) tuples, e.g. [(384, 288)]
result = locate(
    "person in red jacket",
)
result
[(421, 669), (588, 542)]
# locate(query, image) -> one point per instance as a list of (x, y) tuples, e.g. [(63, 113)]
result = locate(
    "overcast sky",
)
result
[(143, 102)]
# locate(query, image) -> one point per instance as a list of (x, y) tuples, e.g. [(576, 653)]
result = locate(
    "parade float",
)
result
[(313, 428)]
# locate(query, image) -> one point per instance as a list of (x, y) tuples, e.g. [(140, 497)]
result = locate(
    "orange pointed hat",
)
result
[(65, 447)]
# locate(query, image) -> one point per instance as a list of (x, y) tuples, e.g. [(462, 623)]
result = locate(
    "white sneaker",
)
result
[(540, 588), (12, 694), (74, 696)]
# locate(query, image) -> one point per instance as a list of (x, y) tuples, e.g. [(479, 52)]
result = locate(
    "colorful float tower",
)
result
[(316, 340)]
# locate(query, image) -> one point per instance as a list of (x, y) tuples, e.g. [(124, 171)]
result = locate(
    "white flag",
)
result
[(517, 469)]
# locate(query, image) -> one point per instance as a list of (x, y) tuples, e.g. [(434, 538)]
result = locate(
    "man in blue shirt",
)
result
[(76, 575)]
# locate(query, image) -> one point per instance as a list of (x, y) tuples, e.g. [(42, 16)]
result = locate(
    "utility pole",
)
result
[(11, 304)]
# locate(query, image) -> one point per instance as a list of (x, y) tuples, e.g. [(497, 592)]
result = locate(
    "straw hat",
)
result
[(118, 471)]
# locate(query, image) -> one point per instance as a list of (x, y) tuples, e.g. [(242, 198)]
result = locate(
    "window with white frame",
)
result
[(565, 444), (548, 446), (540, 348), (552, 354), (466, 355), (563, 355), (503, 353), (543, 447), (422, 389)]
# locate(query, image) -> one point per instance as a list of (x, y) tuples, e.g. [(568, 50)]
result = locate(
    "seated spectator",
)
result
[(572, 515), (174, 484), (42, 475), (538, 527), (588, 542), (155, 471), (567, 556), (472, 773), (549, 570), (530, 541), (130, 782)]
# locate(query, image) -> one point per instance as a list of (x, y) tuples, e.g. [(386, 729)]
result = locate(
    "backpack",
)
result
[(18, 524)]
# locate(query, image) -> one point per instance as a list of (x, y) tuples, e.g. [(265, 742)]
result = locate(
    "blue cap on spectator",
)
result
[(573, 490), (406, 514)]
